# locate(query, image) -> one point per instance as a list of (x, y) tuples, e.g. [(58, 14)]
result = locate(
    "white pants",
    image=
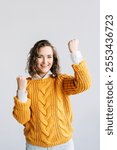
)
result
[(66, 146)]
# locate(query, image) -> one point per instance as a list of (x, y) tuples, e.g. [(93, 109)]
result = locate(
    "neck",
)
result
[(41, 75)]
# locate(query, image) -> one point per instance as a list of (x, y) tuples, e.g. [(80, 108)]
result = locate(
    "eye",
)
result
[(39, 56), (49, 56)]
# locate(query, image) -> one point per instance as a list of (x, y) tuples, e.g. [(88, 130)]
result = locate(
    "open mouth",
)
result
[(44, 66)]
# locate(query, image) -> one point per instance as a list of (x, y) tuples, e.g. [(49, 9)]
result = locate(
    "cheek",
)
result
[(51, 62), (38, 62)]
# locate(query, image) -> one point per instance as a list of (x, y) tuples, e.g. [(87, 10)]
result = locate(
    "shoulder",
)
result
[(62, 77), (29, 78)]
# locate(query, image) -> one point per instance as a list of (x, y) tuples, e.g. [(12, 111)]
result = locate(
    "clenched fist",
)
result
[(21, 83), (73, 45)]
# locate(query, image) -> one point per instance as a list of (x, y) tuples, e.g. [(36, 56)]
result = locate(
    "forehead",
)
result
[(45, 50)]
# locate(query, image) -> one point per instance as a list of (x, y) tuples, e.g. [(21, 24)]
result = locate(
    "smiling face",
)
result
[(44, 60)]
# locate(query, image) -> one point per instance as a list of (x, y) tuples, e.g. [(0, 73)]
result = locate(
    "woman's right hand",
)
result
[(22, 83)]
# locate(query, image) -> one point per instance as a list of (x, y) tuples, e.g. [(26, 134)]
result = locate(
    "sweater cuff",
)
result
[(81, 66), (21, 105)]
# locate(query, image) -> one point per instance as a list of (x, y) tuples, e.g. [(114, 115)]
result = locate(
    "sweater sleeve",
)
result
[(78, 83), (21, 110)]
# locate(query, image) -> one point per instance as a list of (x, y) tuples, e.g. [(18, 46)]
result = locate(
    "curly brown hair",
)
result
[(33, 55)]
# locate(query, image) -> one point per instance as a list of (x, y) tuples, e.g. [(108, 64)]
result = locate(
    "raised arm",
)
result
[(81, 80), (22, 104)]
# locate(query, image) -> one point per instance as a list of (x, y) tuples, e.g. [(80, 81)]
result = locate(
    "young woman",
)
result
[(42, 102)]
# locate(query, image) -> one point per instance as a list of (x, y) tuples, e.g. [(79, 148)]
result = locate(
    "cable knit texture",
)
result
[(47, 114)]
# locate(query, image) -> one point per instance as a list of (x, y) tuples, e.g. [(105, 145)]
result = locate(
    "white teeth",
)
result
[(45, 66)]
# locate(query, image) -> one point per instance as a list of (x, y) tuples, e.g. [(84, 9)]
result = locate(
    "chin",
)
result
[(45, 71)]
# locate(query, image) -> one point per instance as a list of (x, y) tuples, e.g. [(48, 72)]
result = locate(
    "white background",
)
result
[(24, 22)]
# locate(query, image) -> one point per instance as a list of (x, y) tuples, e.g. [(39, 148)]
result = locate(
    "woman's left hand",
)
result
[(73, 45)]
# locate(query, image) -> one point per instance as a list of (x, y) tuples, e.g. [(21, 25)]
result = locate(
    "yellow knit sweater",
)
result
[(47, 114)]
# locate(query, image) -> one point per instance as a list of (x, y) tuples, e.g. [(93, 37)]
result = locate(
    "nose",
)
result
[(44, 60)]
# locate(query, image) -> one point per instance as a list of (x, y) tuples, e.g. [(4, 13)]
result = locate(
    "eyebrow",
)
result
[(45, 55)]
